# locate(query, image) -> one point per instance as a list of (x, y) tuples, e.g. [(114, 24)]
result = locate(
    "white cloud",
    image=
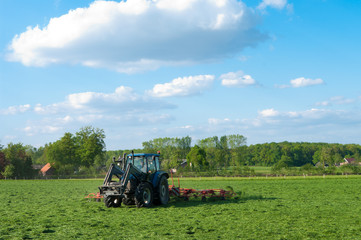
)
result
[(123, 107), (268, 113), (12, 110), (136, 35), (337, 100), (279, 4), (115, 110), (315, 125), (237, 79), (184, 86), (41, 129), (215, 121), (48, 125), (302, 82), (122, 100)]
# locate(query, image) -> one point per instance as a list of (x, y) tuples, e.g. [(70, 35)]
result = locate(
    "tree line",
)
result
[(231, 151), (85, 152)]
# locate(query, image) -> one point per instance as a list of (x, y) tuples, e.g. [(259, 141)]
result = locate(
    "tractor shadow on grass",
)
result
[(240, 197)]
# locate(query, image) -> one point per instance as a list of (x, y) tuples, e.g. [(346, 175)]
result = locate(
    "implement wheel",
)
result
[(144, 195)]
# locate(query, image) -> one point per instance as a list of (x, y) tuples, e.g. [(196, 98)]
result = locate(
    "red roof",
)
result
[(350, 160), (45, 168)]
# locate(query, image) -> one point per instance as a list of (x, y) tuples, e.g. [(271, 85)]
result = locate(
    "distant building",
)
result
[(183, 165), (350, 161), (47, 170)]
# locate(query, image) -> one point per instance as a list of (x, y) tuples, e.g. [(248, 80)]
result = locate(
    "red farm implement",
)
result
[(186, 193), (95, 196)]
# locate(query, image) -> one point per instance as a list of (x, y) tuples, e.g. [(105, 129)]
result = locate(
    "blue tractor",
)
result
[(135, 179)]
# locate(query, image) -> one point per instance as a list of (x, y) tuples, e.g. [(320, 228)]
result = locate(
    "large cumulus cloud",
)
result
[(138, 35)]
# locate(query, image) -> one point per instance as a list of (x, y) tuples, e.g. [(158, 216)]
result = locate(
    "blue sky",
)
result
[(271, 70)]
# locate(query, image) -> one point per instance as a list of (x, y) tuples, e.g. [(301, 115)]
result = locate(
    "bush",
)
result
[(9, 171)]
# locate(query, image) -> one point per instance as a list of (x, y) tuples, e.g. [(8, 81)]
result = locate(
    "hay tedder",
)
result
[(136, 179)]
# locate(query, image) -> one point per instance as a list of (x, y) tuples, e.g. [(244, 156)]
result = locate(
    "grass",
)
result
[(267, 208), (262, 170)]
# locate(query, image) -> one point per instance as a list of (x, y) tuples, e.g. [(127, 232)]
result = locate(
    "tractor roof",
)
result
[(144, 155)]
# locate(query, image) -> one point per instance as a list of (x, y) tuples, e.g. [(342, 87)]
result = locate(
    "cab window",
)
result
[(157, 163), (151, 165), (139, 162)]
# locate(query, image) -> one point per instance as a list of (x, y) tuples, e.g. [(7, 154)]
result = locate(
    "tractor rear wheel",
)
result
[(144, 195), (163, 191)]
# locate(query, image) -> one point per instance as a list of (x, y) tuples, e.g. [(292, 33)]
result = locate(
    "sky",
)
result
[(270, 70)]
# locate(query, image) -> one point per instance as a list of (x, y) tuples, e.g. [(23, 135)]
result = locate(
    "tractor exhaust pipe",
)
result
[(133, 156)]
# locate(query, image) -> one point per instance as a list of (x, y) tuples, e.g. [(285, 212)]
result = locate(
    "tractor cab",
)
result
[(146, 163)]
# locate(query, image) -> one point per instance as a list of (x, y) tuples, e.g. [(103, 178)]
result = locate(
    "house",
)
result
[(47, 170), (183, 165), (351, 161)]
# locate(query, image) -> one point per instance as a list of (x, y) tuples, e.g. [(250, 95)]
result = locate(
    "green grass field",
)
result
[(262, 170), (268, 208)]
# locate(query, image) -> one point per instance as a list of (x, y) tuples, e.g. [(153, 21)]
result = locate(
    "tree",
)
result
[(173, 150), (236, 141), (197, 158), (90, 144), (15, 155), (184, 144), (9, 171), (326, 155), (86, 148), (3, 163), (64, 152)]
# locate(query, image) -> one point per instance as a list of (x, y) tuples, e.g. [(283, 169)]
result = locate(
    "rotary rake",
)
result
[(187, 193), (94, 196)]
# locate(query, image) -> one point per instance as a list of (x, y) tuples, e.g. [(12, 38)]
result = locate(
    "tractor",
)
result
[(135, 179)]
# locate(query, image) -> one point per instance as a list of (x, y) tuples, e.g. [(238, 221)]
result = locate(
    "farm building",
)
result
[(350, 161), (182, 165), (47, 170)]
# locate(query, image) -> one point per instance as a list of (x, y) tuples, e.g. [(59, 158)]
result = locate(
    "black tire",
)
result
[(108, 201), (163, 189), (144, 195), (112, 202), (116, 202), (128, 201)]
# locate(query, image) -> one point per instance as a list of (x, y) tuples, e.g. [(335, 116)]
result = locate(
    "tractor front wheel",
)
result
[(117, 202), (108, 201), (144, 195), (112, 202)]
